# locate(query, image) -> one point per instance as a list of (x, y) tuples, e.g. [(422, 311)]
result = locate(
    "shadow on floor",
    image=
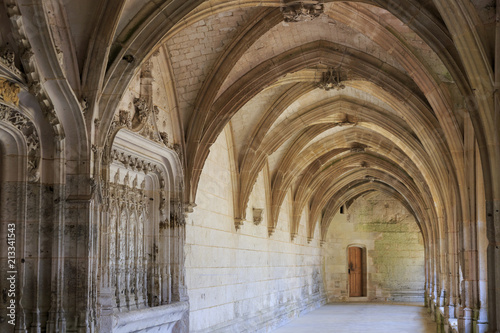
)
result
[(363, 318)]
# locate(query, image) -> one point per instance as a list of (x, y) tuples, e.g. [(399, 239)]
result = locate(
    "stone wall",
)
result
[(245, 280), (394, 250)]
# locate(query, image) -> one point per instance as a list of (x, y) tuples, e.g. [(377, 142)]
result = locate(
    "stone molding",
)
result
[(24, 125), (137, 164), (332, 79), (143, 220), (31, 68), (238, 222)]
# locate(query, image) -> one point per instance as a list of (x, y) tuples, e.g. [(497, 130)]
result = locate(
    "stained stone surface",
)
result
[(394, 250)]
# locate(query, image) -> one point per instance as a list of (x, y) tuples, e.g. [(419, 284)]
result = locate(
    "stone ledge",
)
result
[(164, 317)]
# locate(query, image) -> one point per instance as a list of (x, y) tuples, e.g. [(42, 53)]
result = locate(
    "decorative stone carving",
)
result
[(271, 230), (257, 215), (31, 69), (124, 119), (331, 79), (164, 138), (141, 110), (127, 262), (27, 128), (146, 70), (7, 57), (358, 148), (238, 222), (9, 91), (300, 11)]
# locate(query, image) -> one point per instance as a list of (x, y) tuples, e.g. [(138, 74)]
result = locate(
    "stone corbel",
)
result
[(188, 209), (238, 222), (257, 215), (7, 60), (271, 230), (31, 73)]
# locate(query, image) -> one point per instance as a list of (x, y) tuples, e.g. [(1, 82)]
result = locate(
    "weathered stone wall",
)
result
[(245, 280), (394, 250)]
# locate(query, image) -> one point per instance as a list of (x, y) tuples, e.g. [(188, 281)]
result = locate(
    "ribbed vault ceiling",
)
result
[(393, 128), (397, 126)]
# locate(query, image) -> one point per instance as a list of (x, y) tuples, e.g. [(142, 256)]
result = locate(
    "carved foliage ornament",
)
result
[(25, 126), (9, 91), (300, 11), (7, 58)]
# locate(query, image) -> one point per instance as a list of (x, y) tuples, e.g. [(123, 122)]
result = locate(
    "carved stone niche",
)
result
[(300, 11), (257, 215)]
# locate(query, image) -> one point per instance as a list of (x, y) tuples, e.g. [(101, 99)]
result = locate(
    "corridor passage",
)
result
[(363, 318)]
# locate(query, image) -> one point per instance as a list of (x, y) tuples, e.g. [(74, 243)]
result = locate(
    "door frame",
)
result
[(364, 270)]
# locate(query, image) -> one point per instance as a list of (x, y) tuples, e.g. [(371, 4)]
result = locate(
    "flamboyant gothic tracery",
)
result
[(225, 166)]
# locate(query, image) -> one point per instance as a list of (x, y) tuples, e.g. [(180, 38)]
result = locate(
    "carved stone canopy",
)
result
[(7, 59), (300, 11)]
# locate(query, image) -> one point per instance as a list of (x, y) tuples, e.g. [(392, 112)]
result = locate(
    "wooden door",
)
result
[(355, 272)]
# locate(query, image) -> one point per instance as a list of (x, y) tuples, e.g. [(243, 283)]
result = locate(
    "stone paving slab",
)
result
[(362, 318)]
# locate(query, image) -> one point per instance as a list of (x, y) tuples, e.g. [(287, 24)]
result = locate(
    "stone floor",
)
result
[(362, 318)]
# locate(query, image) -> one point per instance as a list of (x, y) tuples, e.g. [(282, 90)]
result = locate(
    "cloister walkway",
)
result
[(363, 318)]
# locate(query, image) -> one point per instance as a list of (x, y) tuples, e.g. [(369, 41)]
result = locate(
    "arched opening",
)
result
[(384, 252)]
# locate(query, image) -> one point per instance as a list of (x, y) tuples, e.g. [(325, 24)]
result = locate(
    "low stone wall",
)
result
[(156, 319)]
